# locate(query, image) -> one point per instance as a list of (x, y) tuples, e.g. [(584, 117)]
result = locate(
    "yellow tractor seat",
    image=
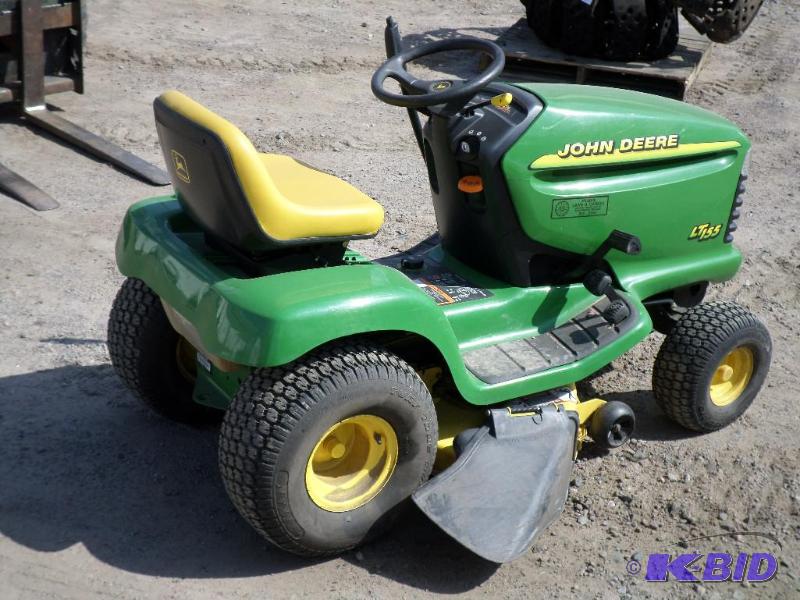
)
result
[(253, 201)]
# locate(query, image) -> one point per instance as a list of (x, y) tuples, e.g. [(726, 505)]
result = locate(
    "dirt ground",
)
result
[(100, 498)]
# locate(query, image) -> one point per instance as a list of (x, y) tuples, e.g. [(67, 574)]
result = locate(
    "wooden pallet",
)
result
[(529, 59)]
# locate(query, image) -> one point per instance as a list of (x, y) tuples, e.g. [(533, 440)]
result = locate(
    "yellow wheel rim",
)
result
[(351, 463), (732, 376), (186, 359)]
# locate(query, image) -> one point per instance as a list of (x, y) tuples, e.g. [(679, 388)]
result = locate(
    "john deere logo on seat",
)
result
[(181, 166)]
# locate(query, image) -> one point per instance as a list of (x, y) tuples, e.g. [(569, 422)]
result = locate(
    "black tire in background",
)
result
[(144, 352), (663, 34), (281, 416), (544, 17), (692, 353), (622, 30), (577, 28)]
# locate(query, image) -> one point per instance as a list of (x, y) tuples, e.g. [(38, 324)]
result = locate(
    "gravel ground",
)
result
[(100, 498)]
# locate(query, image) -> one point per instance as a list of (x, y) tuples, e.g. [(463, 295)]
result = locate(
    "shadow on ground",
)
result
[(651, 422), (84, 463)]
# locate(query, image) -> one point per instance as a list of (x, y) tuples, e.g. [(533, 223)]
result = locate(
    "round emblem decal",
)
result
[(562, 208)]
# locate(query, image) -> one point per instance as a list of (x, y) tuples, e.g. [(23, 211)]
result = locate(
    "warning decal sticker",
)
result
[(449, 288)]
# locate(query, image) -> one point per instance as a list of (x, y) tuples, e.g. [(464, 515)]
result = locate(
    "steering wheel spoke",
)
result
[(408, 83)]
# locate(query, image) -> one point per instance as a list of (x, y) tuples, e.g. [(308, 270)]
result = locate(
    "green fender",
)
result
[(270, 321)]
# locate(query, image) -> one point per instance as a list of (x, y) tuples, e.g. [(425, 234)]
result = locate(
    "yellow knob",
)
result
[(502, 100)]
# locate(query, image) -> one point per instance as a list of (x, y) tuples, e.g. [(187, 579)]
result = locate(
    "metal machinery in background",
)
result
[(529, 59), (721, 20), (634, 29), (41, 47), (629, 44)]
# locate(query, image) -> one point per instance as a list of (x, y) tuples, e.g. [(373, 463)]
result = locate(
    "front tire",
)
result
[(319, 455), (711, 366)]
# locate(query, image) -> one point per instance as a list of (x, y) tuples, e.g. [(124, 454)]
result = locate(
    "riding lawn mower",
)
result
[(572, 221)]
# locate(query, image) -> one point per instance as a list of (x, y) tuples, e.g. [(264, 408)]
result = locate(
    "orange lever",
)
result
[(470, 184)]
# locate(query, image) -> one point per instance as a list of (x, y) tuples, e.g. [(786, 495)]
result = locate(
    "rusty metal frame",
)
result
[(27, 25)]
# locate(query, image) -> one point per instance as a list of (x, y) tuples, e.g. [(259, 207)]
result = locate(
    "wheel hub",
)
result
[(732, 376), (351, 463), (724, 373)]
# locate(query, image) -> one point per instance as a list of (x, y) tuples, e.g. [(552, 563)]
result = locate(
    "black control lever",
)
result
[(470, 110), (616, 240), (394, 45), (600, 283)]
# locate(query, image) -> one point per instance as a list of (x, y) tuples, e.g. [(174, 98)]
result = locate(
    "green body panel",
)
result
[(658, 200), (214, 387), (272, 320)]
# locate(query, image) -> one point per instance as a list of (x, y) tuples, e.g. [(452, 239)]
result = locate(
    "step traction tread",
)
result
[(574, 340)]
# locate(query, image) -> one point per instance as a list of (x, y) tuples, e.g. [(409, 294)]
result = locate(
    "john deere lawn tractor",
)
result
[(572, 221)]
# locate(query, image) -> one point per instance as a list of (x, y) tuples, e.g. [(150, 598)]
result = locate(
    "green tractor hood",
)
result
[(599, 159)]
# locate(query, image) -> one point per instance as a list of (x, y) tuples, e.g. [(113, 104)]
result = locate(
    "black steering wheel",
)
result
[(421, 93)]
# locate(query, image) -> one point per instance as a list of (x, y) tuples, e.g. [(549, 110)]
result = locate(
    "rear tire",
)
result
[(283, 419), (711, 366), (144, 351)]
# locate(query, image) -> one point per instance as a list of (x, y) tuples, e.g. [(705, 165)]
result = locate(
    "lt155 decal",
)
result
[(704, 232)]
